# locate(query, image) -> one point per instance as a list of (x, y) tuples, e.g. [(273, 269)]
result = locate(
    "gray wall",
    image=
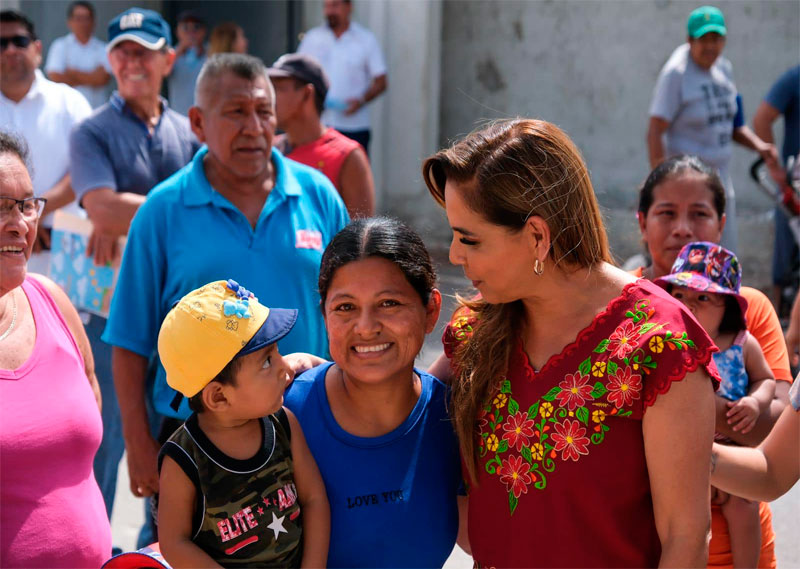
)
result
[(590, 67)]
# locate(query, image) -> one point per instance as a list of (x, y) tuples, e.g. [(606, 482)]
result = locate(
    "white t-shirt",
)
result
[(44, 118), (700, 106), (351, 61), (68, 52)]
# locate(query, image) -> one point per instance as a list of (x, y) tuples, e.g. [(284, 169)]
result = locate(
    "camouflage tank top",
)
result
[(246, 512)]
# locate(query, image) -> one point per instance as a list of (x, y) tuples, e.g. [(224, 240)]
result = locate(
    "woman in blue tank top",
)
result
[(377, 426)]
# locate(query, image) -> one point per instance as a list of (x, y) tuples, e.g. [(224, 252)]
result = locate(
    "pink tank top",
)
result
[(327, 154), (52, 512)]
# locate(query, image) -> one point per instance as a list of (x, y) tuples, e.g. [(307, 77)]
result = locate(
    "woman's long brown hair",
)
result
[(511, 170)]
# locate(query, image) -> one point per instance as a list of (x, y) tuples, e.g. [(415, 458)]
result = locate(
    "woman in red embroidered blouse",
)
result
[(582, 396)]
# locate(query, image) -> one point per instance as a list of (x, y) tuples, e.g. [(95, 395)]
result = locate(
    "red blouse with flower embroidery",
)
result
[(562, 475)]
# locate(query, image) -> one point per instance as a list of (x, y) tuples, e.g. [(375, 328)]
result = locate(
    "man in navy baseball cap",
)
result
[(117, 155), (145, 27)]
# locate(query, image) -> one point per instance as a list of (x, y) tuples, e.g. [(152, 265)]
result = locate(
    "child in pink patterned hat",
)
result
[(706, 278)]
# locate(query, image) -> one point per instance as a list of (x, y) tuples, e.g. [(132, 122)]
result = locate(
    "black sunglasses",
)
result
[(19, 41)]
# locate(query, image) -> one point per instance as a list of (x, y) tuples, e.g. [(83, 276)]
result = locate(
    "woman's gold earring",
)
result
[(538, 267)]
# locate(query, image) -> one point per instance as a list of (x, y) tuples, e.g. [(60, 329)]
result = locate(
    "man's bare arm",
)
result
[(111, 212), (357, 187), (655, 143), (130, 374)]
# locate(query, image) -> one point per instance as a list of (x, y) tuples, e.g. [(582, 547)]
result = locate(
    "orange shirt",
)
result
[(763, 324), (719, 550)]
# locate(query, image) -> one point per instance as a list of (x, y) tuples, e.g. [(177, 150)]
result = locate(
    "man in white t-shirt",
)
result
[(41, 111), (351, 57), (695, 108), (79, 59)]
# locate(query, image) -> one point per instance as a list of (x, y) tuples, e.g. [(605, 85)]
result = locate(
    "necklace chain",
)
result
[(13, 318)]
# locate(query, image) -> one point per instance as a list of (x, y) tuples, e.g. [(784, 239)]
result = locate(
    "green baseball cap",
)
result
[(704, 20)]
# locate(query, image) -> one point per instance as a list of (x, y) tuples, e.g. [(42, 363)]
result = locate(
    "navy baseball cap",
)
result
[(145, 27)]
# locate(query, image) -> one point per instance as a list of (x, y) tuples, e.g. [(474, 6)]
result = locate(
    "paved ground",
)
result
[(129, 511)]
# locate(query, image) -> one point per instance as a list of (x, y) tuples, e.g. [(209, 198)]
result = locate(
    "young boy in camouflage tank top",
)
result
[(235, 476)]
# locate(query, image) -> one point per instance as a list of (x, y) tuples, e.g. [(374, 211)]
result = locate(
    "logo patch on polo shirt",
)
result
[(308, 239)]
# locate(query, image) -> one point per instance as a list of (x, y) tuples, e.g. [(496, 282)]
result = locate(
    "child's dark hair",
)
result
[(226, 377), (733, 319), (379, 237), (673, 167)]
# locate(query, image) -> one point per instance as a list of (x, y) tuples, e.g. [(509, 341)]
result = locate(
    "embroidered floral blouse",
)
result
[(562, 475)]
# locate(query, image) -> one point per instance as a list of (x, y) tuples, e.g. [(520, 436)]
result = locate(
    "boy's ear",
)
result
[(214, 396)]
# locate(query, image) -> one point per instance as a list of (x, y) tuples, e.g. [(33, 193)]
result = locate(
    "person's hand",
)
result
[(103, 247), (143, 465), (742, 414), (299, 362), (42, 241), (770, 155), (184, 41), (778, 174), (353, 105)]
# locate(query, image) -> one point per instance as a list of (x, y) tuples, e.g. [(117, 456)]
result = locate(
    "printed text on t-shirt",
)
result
[(389, 497)]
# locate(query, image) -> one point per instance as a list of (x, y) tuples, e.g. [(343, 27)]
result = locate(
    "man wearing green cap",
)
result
[(696, 108)]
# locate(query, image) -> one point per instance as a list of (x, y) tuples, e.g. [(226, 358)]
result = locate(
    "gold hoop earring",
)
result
[(538, 267)]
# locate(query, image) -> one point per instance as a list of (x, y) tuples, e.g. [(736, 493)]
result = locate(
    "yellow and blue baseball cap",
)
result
[(705, 20), (145, 27), (213, 325)]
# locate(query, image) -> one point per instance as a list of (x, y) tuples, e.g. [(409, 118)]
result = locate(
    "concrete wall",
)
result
[(590, 67)]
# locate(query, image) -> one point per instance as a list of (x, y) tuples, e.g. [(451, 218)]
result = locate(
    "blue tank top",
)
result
[(393, 497), (730, 364)]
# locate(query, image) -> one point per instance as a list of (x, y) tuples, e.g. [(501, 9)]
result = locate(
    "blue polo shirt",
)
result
[(113, 148), (186, 235)]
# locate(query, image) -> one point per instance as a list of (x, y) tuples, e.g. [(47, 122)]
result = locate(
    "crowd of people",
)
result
[(257, 362)]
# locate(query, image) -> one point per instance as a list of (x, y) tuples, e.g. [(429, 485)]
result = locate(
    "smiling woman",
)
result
[(378, 427), (569, 375), (53, 513)]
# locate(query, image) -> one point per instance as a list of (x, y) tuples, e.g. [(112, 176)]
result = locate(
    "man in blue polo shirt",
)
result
[(239, 210), (117, 155)]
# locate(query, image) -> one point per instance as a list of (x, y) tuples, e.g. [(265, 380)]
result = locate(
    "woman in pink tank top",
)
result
[(52, 512)]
